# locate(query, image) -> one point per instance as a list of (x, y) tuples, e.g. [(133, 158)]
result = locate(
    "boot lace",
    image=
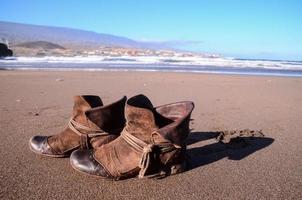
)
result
[(85, 132), (146, 150)]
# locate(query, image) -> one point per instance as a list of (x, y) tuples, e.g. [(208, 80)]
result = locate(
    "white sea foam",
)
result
[(158, 60)]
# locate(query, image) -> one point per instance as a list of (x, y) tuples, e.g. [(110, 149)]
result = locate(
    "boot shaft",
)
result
[(179, 113), (140, 120), (170, 121), (109, 118), (97, 125), (89, 111), (82, 104), (152, 141), (90, 125)]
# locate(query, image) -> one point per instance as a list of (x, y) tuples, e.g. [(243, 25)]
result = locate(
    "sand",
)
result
[(268, 167)]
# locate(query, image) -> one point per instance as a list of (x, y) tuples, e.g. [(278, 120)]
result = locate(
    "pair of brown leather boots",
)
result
[(127, 138)]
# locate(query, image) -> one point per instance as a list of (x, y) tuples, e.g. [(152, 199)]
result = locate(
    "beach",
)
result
[(40, 102)]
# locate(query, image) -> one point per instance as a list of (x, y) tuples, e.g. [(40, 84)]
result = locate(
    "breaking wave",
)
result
[(154, 63)]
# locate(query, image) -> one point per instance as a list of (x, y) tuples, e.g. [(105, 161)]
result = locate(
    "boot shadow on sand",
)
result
[(234, 145)]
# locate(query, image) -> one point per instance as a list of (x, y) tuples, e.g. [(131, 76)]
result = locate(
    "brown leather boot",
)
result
[(151, 144), (91, 126)]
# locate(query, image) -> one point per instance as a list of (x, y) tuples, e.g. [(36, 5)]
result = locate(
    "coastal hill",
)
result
[(39, 48), (39, 44)]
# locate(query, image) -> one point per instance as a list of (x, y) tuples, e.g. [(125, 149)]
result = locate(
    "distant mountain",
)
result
[(16, 33)]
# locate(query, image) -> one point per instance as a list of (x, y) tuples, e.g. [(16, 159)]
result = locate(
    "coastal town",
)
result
[(44, 48)]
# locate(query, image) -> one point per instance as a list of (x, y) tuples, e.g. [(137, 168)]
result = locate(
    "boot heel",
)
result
[(178, 168), (169, 170)]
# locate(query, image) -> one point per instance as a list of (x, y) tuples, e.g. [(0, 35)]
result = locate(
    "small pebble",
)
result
[(59, 79)]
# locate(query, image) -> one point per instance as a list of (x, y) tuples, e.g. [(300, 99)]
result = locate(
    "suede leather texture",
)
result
[(90, 112), (168, 124)]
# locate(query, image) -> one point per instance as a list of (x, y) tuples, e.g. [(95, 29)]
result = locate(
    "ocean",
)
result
[(156, 63)]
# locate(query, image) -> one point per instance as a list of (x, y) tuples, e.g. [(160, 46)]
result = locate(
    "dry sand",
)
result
[(265, 168)]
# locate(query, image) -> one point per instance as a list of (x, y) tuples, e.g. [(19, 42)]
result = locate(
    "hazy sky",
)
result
[(241, 28)]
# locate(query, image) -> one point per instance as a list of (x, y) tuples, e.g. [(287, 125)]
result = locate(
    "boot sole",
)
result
[(48, 155)]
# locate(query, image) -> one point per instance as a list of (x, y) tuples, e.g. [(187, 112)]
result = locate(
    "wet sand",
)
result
[(268, 167)]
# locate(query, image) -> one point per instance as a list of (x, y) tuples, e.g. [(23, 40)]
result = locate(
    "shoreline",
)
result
[(220, 65), (276, 73)]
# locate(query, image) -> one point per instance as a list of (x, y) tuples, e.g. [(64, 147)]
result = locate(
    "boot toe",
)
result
[(83, 161), (39, 145)]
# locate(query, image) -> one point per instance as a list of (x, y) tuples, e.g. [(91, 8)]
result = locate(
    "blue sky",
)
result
[(250, 29)]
